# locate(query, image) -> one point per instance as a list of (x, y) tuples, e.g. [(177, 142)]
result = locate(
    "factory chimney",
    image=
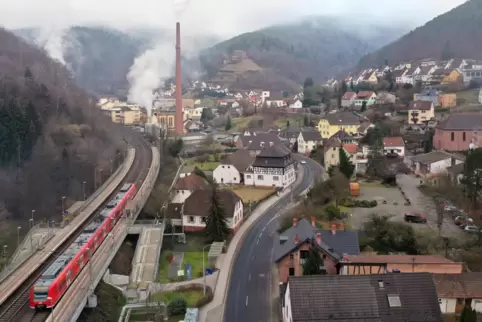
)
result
[(179, 112)]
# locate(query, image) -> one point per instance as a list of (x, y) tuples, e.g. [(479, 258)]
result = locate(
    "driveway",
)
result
[(395, 205)]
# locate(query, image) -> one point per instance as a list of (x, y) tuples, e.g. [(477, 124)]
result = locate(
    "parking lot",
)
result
[(395, 205)]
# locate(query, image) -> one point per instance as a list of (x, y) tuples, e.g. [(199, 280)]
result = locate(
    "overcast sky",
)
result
[(222, 17)]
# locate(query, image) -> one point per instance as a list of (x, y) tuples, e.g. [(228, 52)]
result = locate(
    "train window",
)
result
[(62, 285)]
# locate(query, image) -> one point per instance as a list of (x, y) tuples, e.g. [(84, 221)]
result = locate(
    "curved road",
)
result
[(250, 288)]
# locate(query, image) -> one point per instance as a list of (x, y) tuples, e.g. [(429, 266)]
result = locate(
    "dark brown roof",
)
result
[(341, 135), (240, 159), (199, 203), (311, 135), (343, 118), (275, 151), (398, 73), (258, 140), (464, 285), (361, 298), (364, 94), (462, 122), (191, 182), (173, 211), (421, 105), (349, 95), (425, 69)]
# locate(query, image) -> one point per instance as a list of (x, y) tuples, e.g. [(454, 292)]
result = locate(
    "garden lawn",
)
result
[(209, 165), (196, 261), (164, 266), (252, 194), (191, 296)]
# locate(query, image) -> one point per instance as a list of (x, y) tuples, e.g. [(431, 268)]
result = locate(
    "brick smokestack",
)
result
[(179, 116)]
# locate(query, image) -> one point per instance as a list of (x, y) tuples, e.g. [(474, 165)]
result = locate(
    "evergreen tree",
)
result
[(352, 86), (363, 107), (313, 263), (343, 88), (346, 166), (468, 315), (228, 125), (216, 224)]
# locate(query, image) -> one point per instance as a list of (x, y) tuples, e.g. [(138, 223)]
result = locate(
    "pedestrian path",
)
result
[(146, 258)]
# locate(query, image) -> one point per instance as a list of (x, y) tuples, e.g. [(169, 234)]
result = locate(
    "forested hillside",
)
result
[(455, 34), (52, 136), (318, 47)]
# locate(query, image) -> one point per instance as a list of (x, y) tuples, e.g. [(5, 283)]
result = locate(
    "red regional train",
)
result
[(57, 278)]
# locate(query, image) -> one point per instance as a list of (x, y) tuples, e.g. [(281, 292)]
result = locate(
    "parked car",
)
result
[(415, 217), (472, 229)]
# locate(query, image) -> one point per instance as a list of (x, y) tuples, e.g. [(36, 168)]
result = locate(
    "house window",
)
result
[(452, 136), (291, 271), (260, 177), (275, 178), (203, 219), (191, 219), (248, 176), (292, 256), (463, 136), (222, 166)]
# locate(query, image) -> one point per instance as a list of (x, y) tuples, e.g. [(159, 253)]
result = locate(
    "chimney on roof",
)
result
[(297, 239), (318, 238), (295, 222), (452, 161), (271, 143), (380, 284), (313, 221)]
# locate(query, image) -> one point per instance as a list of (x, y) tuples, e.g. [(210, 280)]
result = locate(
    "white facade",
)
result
[(447, 305), (276, 179), (400, 150), (286, 309), (438, 166), (200, 221), (226, 174), (275, 103), (370, 100), (181, 196), (296, 104), (306, 146)]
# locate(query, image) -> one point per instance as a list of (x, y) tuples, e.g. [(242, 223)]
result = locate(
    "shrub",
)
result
[(373, 203), (365, 204), (204, 300), (177, 307)]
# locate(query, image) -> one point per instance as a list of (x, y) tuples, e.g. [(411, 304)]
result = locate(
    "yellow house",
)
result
[(332, 123), (332, 153), (124, 115), (193, 113), (452, 77), (420, 112), (373, 78), (448, 100)]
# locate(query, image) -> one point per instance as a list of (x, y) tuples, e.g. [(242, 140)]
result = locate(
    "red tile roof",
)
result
[(397, 259), (364, 94), (349, 95), (191, 182), (464, 285), (421, 105), (393, 141), (350, 148)]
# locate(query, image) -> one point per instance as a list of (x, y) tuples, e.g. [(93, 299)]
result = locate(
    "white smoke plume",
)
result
[(52, 40), (179, 7), (148, 73)]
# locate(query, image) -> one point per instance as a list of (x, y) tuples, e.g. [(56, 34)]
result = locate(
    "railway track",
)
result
[(16, 307)]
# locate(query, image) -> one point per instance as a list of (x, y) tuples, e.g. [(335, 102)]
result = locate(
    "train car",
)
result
[(56, 279)]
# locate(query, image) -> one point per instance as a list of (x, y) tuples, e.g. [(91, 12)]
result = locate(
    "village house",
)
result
[(308, 140), (232, 169), (434, 162), (452, 76), (378, 298), (294, 243), (420, 112), (296, 104), (185, 186), (459, 132), (290, 134), (385, 98), (344, 137), (255, 141), (275, 99), (273, 167), (197, 207), (348, 99), (332, 152), (365, 96), (472, 72), (398, 74), (455, 291), (394, 146), (332, 123), (386, 264), (431, 95), (447, 100)]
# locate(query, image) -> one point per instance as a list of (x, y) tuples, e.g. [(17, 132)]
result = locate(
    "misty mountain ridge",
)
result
[(316, 47), (100, 58), (454, 34)]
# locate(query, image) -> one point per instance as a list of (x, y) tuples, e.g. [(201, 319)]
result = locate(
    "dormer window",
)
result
[(262, 144)]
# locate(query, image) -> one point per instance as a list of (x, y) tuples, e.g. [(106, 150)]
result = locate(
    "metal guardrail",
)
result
[(13, 265)]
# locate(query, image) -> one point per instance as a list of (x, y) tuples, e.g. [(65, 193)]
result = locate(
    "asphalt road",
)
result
[(249, 291)]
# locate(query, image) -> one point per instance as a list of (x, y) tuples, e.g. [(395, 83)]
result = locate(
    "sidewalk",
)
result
[(213, 311)]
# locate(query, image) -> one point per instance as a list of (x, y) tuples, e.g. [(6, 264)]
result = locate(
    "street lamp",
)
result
[(33, 213), (18, 235), (83, 189), (31, 235), (63, 205), (204, 272)]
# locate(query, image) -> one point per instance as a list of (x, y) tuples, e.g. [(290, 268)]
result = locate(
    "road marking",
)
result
[(246, 300), (272, 219)]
